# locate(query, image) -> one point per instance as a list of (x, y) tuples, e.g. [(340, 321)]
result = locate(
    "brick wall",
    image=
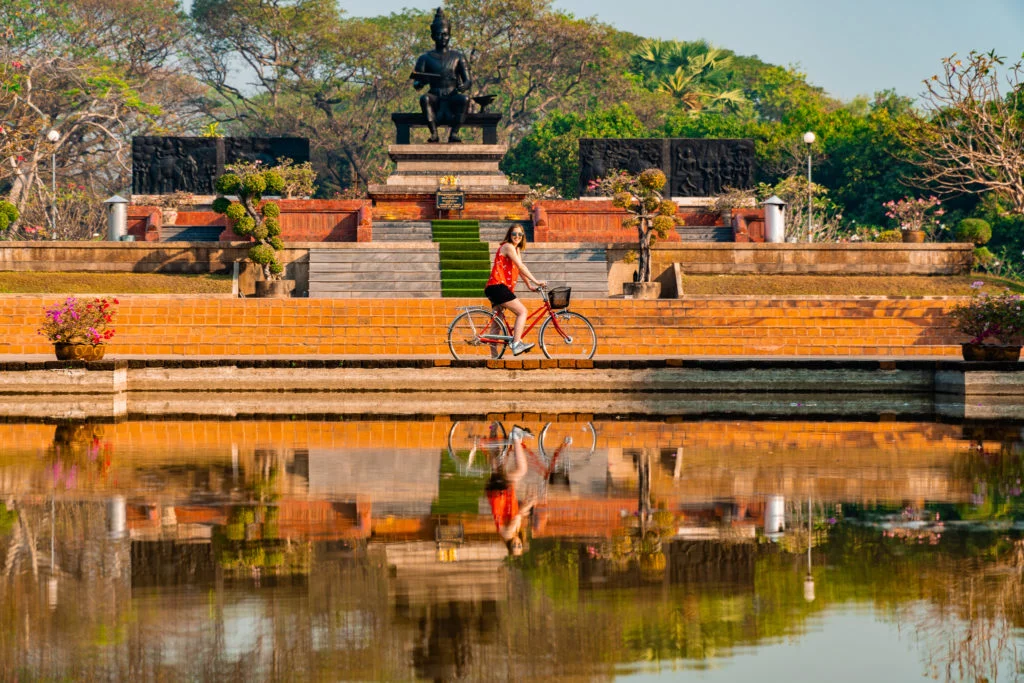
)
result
[(705, 326), (596, 220), (421, 207)]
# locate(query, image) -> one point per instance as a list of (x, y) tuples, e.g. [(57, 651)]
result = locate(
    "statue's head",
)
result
[(440, 29)]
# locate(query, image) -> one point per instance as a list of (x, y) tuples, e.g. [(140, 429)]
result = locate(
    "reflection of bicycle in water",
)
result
[(474, 446)]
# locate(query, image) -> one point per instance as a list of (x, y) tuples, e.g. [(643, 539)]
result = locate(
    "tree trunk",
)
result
[(644, 265)]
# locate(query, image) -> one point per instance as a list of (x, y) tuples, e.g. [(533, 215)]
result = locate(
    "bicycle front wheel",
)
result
[(568, 335), (568, 444), (469, 332)]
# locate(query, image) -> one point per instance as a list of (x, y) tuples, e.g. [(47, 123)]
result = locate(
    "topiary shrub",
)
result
[(889, 236), (8, 215), (250, 217), (974, 230), (650, 213), (983, 258)]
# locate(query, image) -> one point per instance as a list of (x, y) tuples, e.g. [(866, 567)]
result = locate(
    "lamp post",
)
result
[(809, 140), (54, 137)]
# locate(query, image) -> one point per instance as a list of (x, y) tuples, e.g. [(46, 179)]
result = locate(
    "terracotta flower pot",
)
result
[(914, 236), (79, 351), (990, 352)]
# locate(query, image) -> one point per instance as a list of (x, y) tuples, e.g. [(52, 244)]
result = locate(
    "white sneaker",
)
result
[(520, 433), (520, 347)]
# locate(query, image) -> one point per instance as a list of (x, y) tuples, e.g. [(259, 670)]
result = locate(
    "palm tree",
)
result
[(695, 73)]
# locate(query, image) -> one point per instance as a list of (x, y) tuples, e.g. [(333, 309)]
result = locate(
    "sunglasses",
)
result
[(518, 234)]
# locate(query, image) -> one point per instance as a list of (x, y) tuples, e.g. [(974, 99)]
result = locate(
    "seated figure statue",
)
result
[(447, 73)]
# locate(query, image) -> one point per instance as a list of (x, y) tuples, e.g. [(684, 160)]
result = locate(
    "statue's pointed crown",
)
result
[(440, 21)]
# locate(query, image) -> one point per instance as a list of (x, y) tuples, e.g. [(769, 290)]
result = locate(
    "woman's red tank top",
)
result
[(503, 272)]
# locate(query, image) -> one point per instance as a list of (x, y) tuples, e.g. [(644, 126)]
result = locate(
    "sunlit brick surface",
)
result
[(707, 326)]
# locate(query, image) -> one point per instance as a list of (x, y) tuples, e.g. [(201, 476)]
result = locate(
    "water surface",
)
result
[(366, 550)]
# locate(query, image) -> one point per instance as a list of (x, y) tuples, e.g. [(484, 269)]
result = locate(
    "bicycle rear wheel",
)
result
[(574, 443), (574, 336), (488, 438), (465, 332)]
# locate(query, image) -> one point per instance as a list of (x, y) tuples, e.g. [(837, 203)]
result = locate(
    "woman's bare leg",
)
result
[(517, 307)]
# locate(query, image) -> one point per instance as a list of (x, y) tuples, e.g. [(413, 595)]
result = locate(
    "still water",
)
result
[(369, 550)]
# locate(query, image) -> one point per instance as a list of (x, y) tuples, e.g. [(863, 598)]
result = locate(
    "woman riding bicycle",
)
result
[(500, 288)]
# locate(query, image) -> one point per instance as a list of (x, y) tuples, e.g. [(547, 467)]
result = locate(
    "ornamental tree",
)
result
[(249, 216), (650, 213)]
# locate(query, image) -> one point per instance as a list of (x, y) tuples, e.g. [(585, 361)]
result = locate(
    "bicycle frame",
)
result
[(532, 320)]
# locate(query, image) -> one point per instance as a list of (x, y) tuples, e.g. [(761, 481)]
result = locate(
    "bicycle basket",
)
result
[(558, 297)]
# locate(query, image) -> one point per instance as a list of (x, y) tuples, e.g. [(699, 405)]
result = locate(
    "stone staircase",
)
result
[(584, 268), (704, 233), (371, 271), (401, 231), (412, 231)]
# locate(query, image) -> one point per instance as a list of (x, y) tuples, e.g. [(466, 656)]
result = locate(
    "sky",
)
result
[(848, 47)]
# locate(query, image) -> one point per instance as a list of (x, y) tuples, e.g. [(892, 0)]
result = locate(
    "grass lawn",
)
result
[(842, 285), (112, 283)]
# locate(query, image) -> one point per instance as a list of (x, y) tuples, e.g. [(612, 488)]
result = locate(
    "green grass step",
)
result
[(473, 275), (442, 222), (464, 264), (453, 237)]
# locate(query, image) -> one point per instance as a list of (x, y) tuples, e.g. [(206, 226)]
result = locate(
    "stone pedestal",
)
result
[(408, 193)]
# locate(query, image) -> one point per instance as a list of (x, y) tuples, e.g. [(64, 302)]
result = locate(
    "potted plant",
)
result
[(79, 329), (994, 323), (256, 220), (917, 218), (650, 213)]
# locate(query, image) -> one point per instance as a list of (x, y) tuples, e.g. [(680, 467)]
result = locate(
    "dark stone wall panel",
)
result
[(162, 165), (694, 167)]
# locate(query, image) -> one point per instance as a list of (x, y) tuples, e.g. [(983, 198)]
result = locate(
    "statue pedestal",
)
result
[(408, 193)]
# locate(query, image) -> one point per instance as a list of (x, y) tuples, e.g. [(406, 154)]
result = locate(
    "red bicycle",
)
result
[(479, 332)]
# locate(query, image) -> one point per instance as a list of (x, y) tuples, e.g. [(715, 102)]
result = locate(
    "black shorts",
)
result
[(498, 294)]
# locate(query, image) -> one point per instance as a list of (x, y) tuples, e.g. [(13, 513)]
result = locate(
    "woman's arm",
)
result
[(524, 272)]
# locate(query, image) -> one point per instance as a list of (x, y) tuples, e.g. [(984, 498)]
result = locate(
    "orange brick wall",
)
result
[(597, 221), (698, 326)]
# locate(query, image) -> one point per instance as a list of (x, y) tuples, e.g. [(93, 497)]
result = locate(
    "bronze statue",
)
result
[(447, 73)]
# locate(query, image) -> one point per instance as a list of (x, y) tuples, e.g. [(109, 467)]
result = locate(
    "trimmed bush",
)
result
[(974, 230), (8, 214), (983, 258), (890, 236)]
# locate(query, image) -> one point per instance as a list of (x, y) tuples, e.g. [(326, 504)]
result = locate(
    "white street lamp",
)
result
[(54, 137), (809, 140)]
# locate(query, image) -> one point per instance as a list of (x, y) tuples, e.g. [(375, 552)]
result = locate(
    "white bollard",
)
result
[(774, 220), (117, 218)]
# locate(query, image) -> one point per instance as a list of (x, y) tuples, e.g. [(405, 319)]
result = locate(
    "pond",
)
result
[(368, 549)]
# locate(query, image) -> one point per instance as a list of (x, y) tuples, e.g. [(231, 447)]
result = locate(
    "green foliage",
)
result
[(890, 236), (234, 211), (254, 185), (276, 242), (244, 226), (549, 153), (259, 232), (228, 183), (299, 179), (652, 179), (274, 182), (983, 258), (273, 227), (276, 268), (262, 254), (221, 204), (270, 209), (695, 74), (974, 230)]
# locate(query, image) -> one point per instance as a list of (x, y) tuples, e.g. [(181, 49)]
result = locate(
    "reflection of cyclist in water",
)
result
[(501, 492)]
